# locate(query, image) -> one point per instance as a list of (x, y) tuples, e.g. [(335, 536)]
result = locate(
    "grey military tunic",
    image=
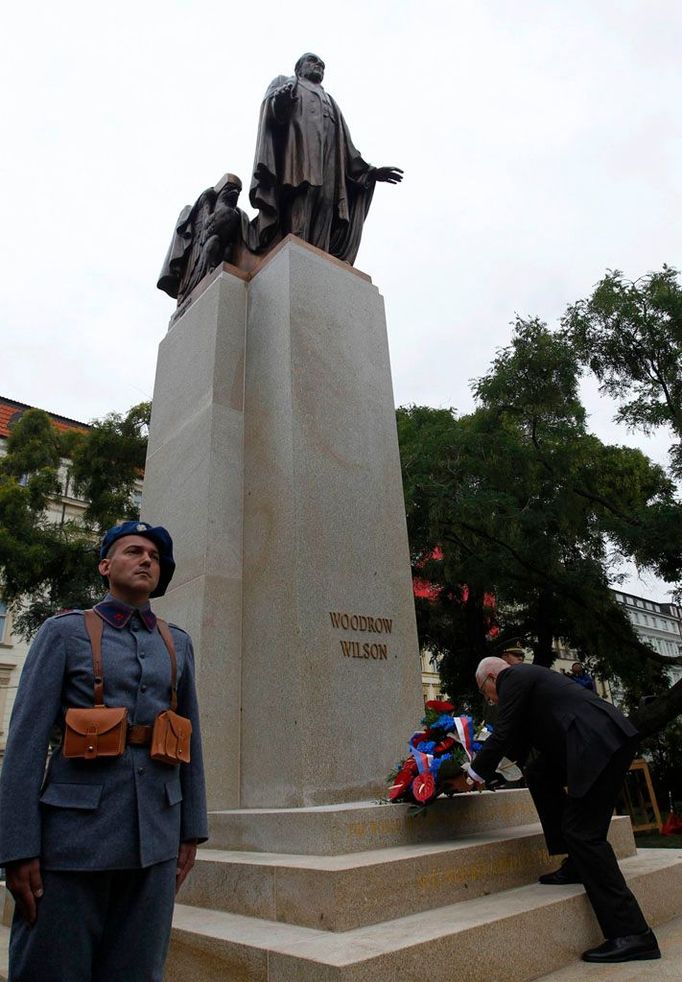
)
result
[(115, 813), (118, 814)]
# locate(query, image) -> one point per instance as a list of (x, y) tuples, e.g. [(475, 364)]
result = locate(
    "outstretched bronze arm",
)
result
[(392, 175)]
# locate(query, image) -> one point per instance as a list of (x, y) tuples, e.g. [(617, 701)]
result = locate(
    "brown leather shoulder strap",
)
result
[(95, 627), (165, 633)]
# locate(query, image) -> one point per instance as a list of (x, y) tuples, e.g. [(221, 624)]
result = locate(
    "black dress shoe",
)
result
[(567, 873), (631, 948)]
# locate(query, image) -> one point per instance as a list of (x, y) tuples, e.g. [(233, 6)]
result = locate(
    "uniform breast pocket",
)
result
[(83, 797)]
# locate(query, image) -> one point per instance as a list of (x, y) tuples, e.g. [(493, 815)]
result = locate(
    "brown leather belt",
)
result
[(139, 735)]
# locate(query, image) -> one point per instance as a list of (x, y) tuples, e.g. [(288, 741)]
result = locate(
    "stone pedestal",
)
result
[(273, 460)]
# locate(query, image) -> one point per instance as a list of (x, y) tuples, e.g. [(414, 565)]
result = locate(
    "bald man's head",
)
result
[(486, 676)]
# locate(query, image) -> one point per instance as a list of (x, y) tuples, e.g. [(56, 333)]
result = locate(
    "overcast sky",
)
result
[(541, 143)]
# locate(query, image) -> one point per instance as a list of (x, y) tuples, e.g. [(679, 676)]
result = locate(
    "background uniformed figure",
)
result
[(95, 849)]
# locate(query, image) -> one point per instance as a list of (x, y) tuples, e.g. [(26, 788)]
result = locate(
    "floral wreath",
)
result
[(437, 753)]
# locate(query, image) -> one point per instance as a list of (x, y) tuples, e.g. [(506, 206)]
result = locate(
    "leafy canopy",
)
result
[(629, 333), (518, 506), (49, 562)]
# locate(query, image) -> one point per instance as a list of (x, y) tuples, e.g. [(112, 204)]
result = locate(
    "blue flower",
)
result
[(444, 722)]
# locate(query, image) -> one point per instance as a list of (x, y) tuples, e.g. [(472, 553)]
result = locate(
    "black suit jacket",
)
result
[(574, 732)]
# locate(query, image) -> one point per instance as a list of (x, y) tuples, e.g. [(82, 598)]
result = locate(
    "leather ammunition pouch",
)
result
[(171, 738), (100, 731), (172, 734), (95, 732)]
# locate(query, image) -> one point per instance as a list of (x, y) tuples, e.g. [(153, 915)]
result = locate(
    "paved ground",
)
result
[(668, 969)]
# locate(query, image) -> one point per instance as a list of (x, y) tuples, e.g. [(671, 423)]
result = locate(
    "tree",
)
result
[(525, 504), (629, 333), (45, 565)]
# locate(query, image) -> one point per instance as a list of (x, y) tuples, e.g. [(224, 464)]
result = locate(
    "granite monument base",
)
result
[(273, 460)]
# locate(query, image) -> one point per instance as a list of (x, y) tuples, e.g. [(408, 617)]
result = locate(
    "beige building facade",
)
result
[(657, 624)]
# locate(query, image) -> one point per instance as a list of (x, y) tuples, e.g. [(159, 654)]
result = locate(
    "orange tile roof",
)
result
[(10, 411)]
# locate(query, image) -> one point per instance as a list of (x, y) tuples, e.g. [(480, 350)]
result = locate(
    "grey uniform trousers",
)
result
[(100, 926)]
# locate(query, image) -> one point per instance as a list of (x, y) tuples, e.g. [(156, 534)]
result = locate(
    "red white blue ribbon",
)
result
[(465, 732), (423, 760)]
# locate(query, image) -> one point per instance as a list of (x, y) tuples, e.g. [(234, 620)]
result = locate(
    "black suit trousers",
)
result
[(579, 826)]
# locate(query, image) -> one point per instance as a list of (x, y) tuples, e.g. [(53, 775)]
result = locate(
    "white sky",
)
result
[(541, 143)]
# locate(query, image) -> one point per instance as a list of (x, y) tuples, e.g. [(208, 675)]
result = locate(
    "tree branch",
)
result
[(657, 714)]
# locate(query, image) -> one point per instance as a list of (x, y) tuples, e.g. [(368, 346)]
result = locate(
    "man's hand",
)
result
[(285, 90), (25, 884), (283, 101), (285, 94), (463, 783), (459, 784), (186, 856), (392, 175)]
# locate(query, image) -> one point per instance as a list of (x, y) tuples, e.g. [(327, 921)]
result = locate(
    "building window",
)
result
[(5, 673), (3, 620)]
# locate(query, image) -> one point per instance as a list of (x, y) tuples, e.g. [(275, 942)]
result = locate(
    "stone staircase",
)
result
[(364, 891), (6, 913)]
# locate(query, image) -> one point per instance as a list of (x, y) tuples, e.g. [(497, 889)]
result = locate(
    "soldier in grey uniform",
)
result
[(96, 849)]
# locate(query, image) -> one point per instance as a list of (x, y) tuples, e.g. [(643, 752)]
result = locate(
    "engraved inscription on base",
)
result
[(374, 650)]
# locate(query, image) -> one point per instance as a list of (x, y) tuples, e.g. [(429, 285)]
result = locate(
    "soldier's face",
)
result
[(132, 567), (312, 68)]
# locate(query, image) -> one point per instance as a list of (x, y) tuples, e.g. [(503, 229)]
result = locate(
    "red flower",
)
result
[(424, 788), (403, 779), (444, 745), (439, 706)]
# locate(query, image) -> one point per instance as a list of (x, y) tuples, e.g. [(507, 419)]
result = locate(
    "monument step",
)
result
[(6, 905), (4, 953), (339, 893), (515, 935), (329, 830)]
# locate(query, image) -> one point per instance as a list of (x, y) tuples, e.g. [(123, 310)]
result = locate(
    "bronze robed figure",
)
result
[(308, 180)]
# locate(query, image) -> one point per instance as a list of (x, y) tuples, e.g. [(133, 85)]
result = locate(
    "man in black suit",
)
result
[(582, 748)]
